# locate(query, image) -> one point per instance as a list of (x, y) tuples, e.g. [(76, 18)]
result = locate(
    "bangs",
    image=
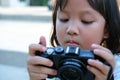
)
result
[(62, 4)]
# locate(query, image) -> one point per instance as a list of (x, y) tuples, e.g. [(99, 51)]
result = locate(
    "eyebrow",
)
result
[(63, 11), (84, 11), (88, 12)]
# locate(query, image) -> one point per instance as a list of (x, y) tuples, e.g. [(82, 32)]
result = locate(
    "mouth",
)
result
[(72, 43)]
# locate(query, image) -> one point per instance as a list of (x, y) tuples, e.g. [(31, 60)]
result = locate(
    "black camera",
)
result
[(70, 62)]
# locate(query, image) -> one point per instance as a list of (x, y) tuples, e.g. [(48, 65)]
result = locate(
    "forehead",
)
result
[(77, 2), (73, 3), (76, 6)]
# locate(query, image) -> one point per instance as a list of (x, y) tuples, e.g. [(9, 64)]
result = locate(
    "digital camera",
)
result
[(70, 62)]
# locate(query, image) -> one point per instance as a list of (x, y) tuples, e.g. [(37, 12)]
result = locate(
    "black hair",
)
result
[(108, 9)]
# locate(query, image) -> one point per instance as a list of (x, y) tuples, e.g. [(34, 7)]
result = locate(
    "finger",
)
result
[(101, 67), (36, 76), (96, 46), (106, 56), (36, 60), (43, 70), (97, 73), (35, 47), (105, 53), (43, 40)]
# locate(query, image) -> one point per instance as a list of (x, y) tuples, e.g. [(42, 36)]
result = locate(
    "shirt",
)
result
[(117, 68)]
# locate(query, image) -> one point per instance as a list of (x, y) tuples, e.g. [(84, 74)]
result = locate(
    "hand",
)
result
[(39, 72), (99, 69)]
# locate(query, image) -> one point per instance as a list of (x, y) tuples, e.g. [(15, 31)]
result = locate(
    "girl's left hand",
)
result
[(99, 69)]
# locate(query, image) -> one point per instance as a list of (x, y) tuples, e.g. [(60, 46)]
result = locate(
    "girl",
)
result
[(88, 24)]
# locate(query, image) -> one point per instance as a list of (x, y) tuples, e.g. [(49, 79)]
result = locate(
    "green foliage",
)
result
[(38, 2), (22, 0), (44, 2)]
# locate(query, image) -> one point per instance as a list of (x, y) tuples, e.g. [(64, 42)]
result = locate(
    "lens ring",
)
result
[(70, 72), (71, 69)]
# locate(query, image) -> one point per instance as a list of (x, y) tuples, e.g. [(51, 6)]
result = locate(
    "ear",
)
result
[(106, 34)]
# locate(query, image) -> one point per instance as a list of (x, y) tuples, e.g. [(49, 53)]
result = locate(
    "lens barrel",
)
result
[(71, 69)]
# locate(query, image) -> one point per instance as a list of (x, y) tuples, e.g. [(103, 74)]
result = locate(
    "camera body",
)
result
[(71, 62)]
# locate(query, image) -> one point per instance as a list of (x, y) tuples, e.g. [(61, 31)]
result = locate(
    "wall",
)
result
[(14, 3)]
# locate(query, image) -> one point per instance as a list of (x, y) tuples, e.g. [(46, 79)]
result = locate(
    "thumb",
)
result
[(42, 41)]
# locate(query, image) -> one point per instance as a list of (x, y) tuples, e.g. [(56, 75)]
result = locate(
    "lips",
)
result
[(72, 43)]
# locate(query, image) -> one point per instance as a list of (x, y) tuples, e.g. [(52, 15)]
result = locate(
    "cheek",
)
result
[(60, 36), (88, 40), (60, 32), (59, 28), (94, 37)]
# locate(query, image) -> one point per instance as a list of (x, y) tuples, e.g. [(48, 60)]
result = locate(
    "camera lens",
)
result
[(71, 70)]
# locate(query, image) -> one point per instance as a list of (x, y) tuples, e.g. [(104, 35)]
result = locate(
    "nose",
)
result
[(73, 29)]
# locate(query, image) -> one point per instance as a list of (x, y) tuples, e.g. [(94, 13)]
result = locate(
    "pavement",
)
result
[(25, 14), (13, 73), (20, 27)]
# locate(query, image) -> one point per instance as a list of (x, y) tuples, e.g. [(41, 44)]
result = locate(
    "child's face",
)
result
[(78, 24)]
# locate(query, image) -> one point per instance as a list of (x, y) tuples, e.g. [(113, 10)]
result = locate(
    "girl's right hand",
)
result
[(39, 72)]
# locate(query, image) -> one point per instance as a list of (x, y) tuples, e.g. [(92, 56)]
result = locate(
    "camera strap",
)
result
[(110, 73)]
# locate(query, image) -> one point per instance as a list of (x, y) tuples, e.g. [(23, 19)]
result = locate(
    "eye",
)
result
[(64, 20), (87, 22)]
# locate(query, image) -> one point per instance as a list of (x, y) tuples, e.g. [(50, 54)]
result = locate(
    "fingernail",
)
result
[(90, 60), (43, 48), (96, 51), (88, 67), (51, 63), (94, 45), (54, 72)]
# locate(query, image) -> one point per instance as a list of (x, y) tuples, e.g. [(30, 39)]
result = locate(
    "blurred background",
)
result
[(22, 22)]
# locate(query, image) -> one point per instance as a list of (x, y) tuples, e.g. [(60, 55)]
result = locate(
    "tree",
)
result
[(38, 2)]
